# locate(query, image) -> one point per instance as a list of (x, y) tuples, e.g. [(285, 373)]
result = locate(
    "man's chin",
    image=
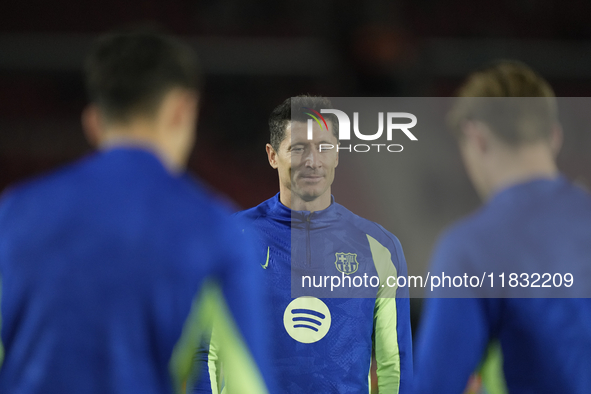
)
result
[(311, 195)]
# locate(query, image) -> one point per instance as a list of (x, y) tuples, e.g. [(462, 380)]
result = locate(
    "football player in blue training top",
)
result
[(112, 267), (322, 344), (534, 221)]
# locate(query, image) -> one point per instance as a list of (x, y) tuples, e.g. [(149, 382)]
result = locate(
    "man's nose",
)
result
[(312, 159)]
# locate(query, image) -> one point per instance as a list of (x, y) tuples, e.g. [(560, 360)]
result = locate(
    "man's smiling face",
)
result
[(303, 168)]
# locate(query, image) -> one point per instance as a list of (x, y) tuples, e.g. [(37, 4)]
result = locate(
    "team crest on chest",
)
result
[(346, 263)]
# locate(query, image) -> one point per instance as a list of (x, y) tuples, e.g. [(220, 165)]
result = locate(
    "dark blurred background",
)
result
[(257, 53)]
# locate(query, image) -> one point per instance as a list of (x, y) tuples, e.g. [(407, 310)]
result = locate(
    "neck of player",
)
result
[(168, 132), (296, 203), (512, 167), (141, 135)]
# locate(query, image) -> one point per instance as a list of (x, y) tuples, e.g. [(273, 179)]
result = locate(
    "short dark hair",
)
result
[(521, 106), (282, 115), (129, 72)]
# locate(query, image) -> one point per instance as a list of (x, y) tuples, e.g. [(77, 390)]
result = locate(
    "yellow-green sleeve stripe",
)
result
[(210, 310), (385, 321), (491, 372), (214, 364)]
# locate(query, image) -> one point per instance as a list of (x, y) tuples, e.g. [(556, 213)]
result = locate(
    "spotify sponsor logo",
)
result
[(307, 319)]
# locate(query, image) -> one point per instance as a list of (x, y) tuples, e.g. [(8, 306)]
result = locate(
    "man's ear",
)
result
[(476, 134), (271, 155), (556, 138), (92, 125), (179, 108)]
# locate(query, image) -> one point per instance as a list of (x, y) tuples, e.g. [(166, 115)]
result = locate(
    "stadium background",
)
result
[(255, 54)]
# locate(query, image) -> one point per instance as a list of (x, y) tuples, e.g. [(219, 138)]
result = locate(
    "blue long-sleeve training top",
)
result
[(534, 233), (111, 270), (322, 336)]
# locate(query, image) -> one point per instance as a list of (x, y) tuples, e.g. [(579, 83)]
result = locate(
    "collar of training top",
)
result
[(524, 191), (281, 212)]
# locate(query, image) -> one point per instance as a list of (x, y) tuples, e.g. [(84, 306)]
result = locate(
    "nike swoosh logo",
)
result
[(267, 262)]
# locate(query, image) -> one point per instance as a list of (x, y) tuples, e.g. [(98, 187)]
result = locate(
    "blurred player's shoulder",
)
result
[(109, 180), (465, 229), (44, 179), (582, 193), (537, 200), (264, 209), (23, 193), (550, 214), (206, 196)]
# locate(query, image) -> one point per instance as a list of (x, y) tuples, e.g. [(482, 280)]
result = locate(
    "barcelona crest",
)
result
[(346, 262)]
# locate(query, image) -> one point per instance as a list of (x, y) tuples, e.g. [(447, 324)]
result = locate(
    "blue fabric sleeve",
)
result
[(201, 371), (405, 344), (453, 332), (245, 295), (403, 326)]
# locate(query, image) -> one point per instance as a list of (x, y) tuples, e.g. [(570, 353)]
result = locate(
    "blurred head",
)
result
[(506, 123), (143, 87), (306, 171)]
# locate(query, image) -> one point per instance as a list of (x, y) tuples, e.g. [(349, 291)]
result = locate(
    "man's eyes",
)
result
[(300, 149)]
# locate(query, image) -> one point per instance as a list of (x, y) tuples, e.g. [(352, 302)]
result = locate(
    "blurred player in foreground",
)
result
[(533, 220), (325, 345), (112, 268)]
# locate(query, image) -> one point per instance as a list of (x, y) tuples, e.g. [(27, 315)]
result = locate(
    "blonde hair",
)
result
[(512, 99)]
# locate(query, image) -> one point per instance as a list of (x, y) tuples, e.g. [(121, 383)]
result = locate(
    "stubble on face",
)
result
[(305, 170)]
